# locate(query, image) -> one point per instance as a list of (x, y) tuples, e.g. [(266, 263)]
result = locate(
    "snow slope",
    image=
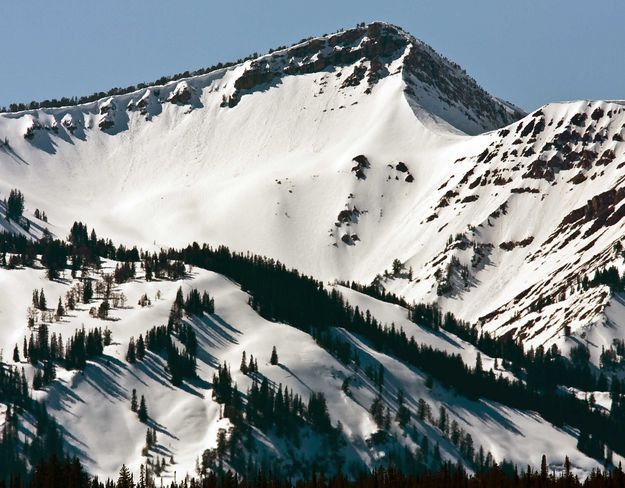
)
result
[(94, 406)]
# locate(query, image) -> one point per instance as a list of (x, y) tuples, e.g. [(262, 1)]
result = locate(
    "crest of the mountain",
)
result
[(372, 52)]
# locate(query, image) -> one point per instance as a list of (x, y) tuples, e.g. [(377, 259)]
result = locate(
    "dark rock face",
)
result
[(600, 210), (510, 245), (348, 216), (379, 43), (181, 94), (362, 163), (105, 123), (374, 47), (401, 167), (356, 77)]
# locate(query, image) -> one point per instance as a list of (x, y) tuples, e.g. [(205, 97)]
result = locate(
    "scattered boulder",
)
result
[(597, 113), (355, 77), (401, 167), (510, 245), (579, 119), (348, 216), (469, 198), (350, 240), (362, 163)]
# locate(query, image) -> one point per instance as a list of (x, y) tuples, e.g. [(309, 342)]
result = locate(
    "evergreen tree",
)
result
[(15, 205), (103, 310), (87, 292), (543, 467), (60, 310), (125, 478), (478, 364), (42, 301), (140, 348), (16, 354), (143, 410), (243, 367), (133, 401), (274, 356), (131, 355), (149, 441)]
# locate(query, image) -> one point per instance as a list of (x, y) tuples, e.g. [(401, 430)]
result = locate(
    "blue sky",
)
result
[(527, 51)]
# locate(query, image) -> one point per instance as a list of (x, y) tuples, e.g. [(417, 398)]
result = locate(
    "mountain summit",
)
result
[(378, 50)]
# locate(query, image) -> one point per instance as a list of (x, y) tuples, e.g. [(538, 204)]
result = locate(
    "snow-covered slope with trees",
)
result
[(359, 156)]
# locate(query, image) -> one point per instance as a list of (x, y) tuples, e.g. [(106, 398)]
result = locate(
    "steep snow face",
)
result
[(535, 210), (259, 156), (337, 156)]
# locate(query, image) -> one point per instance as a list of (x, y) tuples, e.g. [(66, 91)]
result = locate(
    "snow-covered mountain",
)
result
[(336, 156)]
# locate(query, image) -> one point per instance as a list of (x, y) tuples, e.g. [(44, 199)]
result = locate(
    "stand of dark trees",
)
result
[(609, 277), (59, 472), (16, 454), (542, 369)]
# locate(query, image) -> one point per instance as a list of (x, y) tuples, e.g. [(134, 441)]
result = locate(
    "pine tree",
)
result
[(274, 356), (42, 301), (179, 301), (71, 301), (125, 478), (103, 310), (397, 267), (131, 355), (142, 480), (87, 292), (15, 205), (16, 354), (140, 348), (543, 467), (143, 410), (243, 367), (133, 401), (251, 367), (478, 364), (60, 310)]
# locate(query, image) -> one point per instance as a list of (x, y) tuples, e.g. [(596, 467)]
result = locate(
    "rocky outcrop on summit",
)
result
[(372, 50), (181, 94)]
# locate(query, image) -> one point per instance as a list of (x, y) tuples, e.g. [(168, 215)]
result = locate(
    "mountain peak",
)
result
[(434, 85)]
